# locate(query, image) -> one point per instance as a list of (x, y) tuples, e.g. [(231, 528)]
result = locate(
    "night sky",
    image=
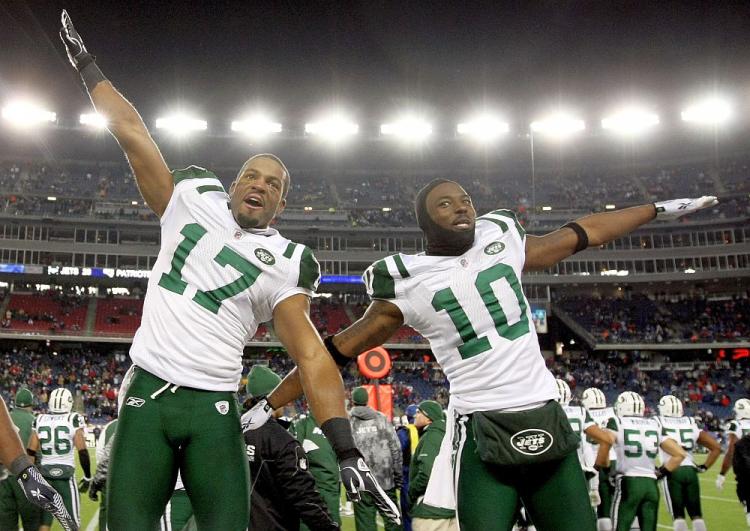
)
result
[(374, 58)]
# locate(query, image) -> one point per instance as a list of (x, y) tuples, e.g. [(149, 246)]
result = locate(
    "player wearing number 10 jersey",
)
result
[(510, 438)]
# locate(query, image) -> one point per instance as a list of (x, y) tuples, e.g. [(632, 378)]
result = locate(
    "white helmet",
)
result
[(563, 392), (630, 404), (593, 398), (670, 406), (60, 401), (742, 409)]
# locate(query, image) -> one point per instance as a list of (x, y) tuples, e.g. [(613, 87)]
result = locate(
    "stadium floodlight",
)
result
[(256, 126), (333, 128), (26, 114), (546, 209), (708, 111), (559, 125), (610, 207), (94, 119), (485, 128), (630, 121), (408, 128), (181, 124)]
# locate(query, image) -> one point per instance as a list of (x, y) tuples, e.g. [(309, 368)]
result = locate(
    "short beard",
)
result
[(247, 223)]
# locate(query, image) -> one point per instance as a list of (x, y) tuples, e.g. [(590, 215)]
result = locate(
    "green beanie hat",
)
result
[(431, 409), (24, 398), (261, 380), (360, 396)]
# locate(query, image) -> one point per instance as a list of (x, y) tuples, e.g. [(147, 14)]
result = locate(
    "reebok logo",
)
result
[(222, 406), (134, 401)]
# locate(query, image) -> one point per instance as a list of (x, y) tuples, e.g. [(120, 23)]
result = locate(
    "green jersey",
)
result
[(24, 421), (320, 455)]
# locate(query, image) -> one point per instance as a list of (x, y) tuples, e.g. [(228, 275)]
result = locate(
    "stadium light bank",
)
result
[(558, 126), (93, 120), (181, 124), (630, 122), (333, 128), (25, 114), (484, 128), (256, 126), (409, 129), (712, 111)]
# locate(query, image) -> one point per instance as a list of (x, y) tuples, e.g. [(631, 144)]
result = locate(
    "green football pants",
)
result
[(682, 492), (178, 512), (333, 502), (69, 492), (13, 504), (635, 497), (103, 509), (554, 493), (163, 429), (365, 511), (606, 491)]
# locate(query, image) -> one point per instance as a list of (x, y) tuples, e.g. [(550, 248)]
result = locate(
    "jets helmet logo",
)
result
[(222, 406), (494, 248), (532, 441), (265, 256)]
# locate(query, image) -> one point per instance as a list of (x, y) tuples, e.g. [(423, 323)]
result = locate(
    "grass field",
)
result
[(721, 510)]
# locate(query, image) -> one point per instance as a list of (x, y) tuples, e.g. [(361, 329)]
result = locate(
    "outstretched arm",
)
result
[(373, 329), (545, 251), (123, 121)]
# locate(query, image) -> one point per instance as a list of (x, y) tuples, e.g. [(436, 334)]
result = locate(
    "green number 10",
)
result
[(472, 345), (210, 300)]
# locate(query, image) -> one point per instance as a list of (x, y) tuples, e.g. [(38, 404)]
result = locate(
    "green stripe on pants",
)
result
[(193, 430), (554, 493)]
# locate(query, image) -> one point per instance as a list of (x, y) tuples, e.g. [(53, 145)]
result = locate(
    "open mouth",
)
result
[(253, 201), (462, 223)]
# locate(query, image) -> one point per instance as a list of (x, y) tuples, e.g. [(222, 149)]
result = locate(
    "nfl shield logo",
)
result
[(222, 406), (237, 234)]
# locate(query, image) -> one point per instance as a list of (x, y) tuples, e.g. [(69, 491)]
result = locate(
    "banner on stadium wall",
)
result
[(380, 398)]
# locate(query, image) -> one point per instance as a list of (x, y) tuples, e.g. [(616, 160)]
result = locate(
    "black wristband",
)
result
[(90, 73), (19, 464), (338, 431), (30, 452), (341, 360), (85, 460), (583, 238)]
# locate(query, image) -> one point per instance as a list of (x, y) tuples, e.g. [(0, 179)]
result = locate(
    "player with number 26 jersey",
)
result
[(483, 335), (219, 281)]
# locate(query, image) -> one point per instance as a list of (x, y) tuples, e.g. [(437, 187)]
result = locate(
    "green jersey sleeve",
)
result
[(612, 424), (309, 271), (506, 220), (77, 421), (385, 279)]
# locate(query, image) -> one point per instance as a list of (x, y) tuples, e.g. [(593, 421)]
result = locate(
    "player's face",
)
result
[(421, 420), (257, 195), (450, 207)]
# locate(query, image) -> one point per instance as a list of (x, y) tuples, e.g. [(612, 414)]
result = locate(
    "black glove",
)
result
[(95, 488), (357, 478), (40, 493), (701, 469), (662, 472), (78, 56), (83, 485)]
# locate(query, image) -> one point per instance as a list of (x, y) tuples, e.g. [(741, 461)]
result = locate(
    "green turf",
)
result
[(721, 510)]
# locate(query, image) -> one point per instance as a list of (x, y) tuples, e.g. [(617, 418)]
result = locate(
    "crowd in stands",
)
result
[(664, 318)]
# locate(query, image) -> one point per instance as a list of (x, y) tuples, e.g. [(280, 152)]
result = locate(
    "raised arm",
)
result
[(123, 121), (374, 328), (597, 229)]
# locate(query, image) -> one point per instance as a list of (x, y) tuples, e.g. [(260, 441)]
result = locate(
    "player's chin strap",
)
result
[(163, 388)]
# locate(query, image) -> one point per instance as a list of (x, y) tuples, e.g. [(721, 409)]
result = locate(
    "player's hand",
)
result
[(95, 489), (40, 493), (662, 472), (720, 479), (256, 416), (83, 485), (357, 478), (77, 53), (701, 469), (675, 208)]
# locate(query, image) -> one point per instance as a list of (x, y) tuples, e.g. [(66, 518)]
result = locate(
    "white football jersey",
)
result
[(212, 285), (685, 431), (580, 421), (472, 310), (739, 428), (637, 446), (56, 433), (601, 416)]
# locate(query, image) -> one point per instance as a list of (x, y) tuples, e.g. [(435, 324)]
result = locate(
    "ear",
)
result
[(232, 187), (280, 209)]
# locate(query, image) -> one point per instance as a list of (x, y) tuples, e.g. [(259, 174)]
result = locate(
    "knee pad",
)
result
[(681, 525)]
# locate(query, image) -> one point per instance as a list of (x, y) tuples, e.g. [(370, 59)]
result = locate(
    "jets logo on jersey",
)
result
[(135, 401), (265, 256), (222, 406), (55, 472), (494, 248), (532, 441)]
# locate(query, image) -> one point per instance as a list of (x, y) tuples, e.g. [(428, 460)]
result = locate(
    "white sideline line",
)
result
[(94, 522), (719, 499)]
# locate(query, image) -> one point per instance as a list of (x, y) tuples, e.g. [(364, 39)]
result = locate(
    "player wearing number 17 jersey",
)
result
[(220, 272), (464, 295)]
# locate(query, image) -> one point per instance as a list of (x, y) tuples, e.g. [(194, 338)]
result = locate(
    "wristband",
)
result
[(341, 360), (338, 431), (583, 238), (90, 73), (19, 464)]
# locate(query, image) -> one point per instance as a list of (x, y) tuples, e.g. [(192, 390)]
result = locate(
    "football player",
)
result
[(221, 271), (738, 428), (464, 296), (638, 442), (55, 437), (595, 402), (682, 488)]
